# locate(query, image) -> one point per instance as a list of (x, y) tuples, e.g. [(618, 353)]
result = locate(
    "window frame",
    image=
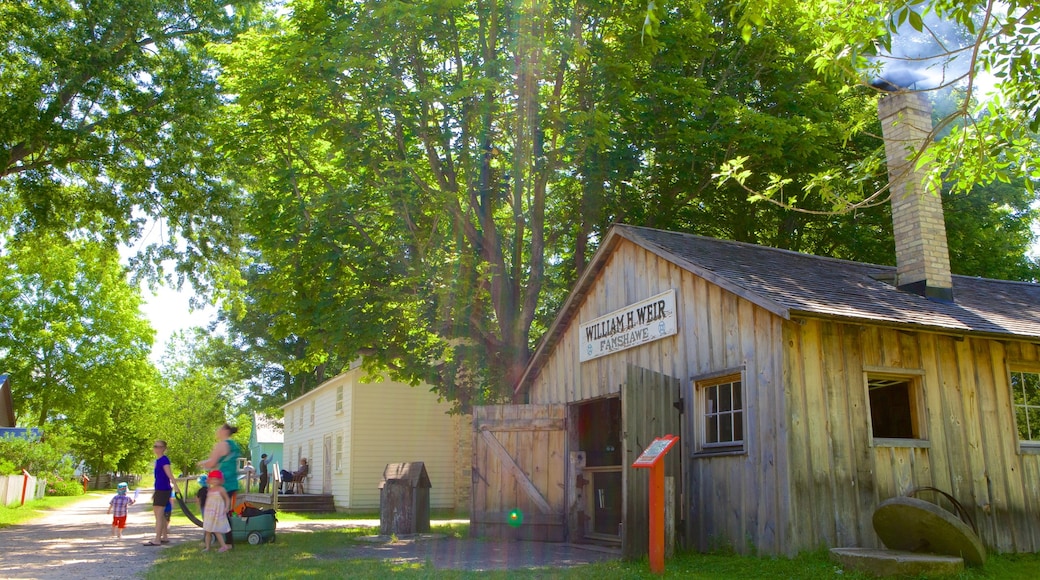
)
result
[(916, 399), (339, 399), (1029, 446), (701, 384), (338, 450)]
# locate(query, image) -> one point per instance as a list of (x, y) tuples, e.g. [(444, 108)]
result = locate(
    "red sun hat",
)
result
[(215, 474)]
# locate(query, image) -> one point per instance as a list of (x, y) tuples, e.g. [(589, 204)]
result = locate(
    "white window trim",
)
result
[(1025, 446), (702, 382)]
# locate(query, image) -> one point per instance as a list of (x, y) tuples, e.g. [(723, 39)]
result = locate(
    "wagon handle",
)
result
[(962, 513)]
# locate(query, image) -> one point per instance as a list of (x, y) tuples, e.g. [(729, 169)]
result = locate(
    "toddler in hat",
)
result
[(118, 507), (215, 515)]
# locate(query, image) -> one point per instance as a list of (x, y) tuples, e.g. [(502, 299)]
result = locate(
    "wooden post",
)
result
[(669, 517), (657, 517), (652, 458)]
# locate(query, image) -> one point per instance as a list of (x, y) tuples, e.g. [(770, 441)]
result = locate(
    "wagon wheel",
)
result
[(254, 538)]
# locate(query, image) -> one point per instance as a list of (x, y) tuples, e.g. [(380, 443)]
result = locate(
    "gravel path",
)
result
[(75, 542)]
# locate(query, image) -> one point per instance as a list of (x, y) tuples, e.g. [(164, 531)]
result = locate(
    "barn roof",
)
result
[(790, 283)]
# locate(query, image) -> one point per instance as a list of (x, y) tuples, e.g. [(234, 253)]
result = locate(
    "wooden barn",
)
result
[(805, 390)]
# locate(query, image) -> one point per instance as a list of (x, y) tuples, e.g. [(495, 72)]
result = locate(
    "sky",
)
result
[(169, 311)]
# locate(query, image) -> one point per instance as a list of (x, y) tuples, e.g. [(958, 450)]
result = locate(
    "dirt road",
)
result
[(74, 542)]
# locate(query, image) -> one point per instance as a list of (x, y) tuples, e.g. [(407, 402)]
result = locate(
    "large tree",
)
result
[(103, 112), (415, 170), (71, 330)]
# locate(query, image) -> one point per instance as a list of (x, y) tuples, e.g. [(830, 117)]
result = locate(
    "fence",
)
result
[(11, 488)]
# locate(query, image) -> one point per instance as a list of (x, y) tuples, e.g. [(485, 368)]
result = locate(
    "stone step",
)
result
[(883, 563)]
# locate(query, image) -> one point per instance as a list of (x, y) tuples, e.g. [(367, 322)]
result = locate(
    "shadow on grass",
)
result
[(325, 554)]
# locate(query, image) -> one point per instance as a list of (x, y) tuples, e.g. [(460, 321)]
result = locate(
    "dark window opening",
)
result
[(891, 408), (599, 432)]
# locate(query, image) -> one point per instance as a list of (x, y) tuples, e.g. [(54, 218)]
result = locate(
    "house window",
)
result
[(292, 419), (339, 451), (339, 399), (722, 401), (1025, 398), (895, 409), (312, 412)]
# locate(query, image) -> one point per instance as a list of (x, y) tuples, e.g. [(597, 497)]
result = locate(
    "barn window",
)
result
[(1025, 397), (723, 409), (894, 408)]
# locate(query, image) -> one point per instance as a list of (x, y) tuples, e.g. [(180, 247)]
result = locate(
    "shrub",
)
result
[(64, 487)]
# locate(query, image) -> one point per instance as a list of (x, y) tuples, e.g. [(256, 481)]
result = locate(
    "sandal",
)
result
[(150, 543)]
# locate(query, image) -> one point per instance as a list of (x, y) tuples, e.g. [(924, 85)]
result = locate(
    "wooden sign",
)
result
[(635, 325)]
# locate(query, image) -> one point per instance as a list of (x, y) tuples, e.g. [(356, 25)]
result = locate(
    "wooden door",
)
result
[(326, 474), (518, 472), (648, 410)]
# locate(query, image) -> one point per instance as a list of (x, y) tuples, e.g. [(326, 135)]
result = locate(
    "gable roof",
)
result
[(789, 283), (266, 429)]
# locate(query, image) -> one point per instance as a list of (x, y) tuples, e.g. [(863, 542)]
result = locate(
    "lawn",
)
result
[(319, 554), (16, 514)]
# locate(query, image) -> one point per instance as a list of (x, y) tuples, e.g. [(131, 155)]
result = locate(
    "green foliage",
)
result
[(103, 117), (44, 458), (194, 402), (62, 487), (70, 325)]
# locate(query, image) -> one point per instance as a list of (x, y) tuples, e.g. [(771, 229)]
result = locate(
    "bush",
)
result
[(64, 487), (44, 458)]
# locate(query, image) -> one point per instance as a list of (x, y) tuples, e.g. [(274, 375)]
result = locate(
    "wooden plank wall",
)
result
[(732, 500), (838, 478), (534, 437)]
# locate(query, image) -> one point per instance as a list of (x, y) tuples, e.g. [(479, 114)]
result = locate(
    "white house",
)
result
[(349, 431)]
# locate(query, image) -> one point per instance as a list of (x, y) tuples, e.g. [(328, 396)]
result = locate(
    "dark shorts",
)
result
[(161, 497)]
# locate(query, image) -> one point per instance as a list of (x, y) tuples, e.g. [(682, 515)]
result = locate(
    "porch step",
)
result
[(883, 563), (306, 503)]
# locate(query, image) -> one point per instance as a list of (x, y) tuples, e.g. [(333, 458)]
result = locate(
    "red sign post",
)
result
[(652, 458)]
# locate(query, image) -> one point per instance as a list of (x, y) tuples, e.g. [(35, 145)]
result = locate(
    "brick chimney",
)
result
[(922, 257)]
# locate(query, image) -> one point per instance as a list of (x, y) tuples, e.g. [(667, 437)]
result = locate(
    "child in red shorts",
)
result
[(118, 507)]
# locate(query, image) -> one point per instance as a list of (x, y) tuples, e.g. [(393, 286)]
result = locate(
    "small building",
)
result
[(350, 430), (6, 402), (266, 437), (806, 390)]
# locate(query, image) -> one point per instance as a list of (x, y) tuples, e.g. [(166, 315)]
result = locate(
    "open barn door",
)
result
[(648, 410), (518, 472)]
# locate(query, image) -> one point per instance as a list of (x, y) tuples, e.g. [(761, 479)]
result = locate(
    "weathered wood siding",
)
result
[(518, 464), (972, 452), (736, 500)]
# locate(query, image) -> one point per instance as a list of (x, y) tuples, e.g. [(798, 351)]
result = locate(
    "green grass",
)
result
[(16, 514), (320, 555)]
